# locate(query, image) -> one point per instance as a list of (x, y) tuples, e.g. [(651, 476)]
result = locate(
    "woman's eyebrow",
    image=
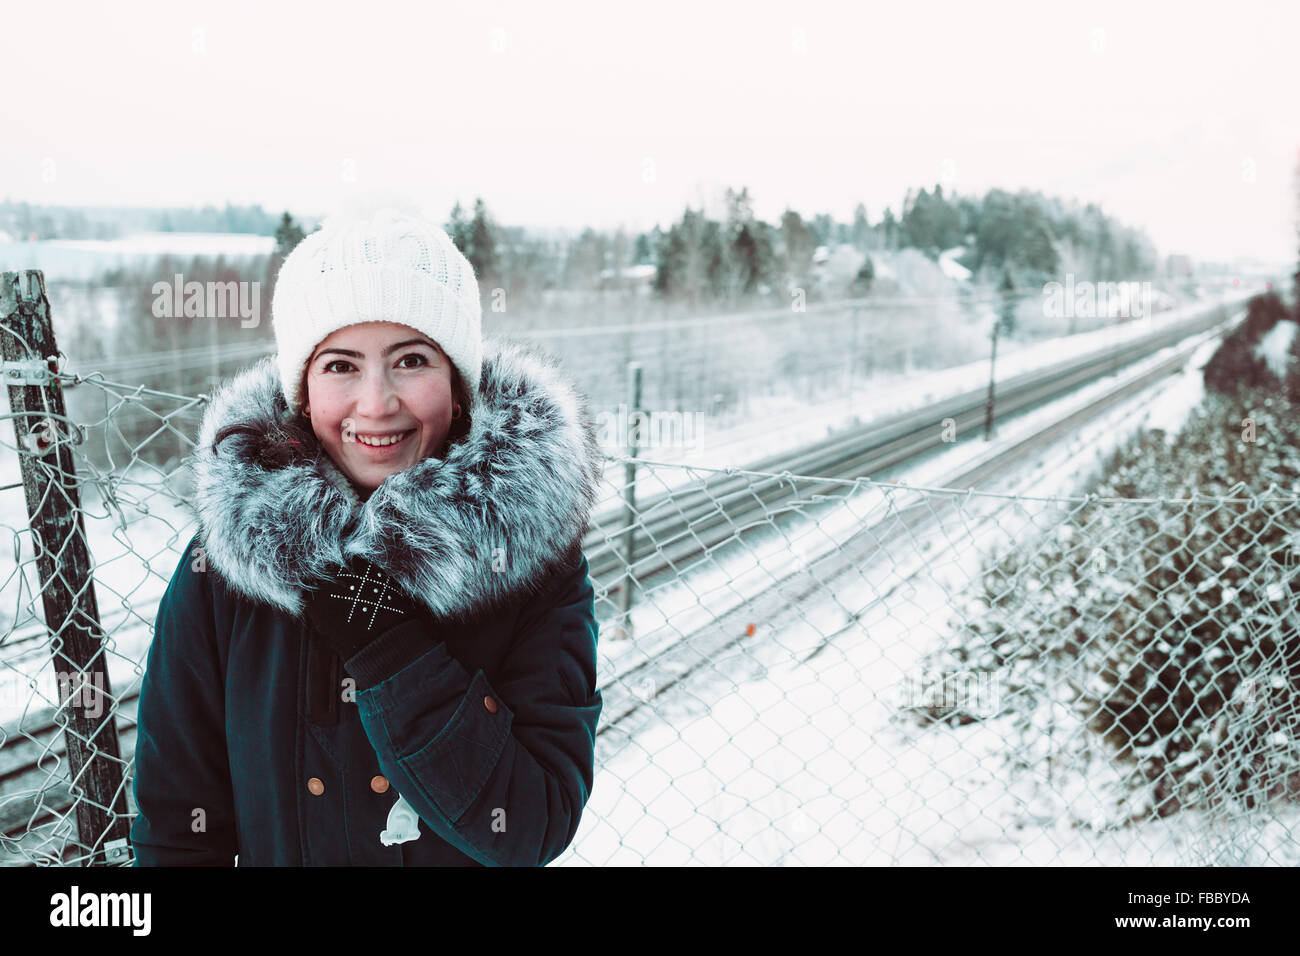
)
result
[(388, 351)]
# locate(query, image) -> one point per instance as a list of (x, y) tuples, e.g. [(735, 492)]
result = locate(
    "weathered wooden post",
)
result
[(43, 439)]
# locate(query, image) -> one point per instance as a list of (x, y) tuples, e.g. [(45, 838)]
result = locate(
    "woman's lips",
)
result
[(380, 451)]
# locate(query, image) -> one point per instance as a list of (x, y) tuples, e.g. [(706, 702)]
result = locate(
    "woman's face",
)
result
[(373, 380)]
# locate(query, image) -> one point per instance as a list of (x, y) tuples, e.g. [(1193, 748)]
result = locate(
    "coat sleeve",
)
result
[(501, 771), (181, 762)]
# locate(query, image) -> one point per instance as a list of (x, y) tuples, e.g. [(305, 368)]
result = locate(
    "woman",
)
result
[(380, 647)]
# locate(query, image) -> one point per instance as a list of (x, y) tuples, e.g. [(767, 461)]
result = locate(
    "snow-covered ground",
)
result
[(788, 749), (84, 259), (1274, 346), (951, 267)]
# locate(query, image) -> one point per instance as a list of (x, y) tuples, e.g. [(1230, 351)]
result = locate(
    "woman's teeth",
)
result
[(381, 442)]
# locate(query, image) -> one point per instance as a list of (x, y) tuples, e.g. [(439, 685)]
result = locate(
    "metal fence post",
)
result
[(44, 447), (993, 360), (853, 357), (629, 497)]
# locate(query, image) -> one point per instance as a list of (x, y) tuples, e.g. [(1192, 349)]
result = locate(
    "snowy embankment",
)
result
[(789, 751)]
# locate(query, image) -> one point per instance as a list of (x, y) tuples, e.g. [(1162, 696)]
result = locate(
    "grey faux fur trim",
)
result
[(524, 480)]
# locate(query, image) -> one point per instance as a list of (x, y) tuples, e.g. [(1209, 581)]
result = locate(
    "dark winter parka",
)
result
[(256, 740)]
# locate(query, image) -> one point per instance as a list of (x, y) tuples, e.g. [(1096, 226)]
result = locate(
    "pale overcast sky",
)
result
[(1180, 118)]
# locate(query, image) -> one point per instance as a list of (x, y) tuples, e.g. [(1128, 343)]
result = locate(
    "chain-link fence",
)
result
[(800, 669), (858, 672)]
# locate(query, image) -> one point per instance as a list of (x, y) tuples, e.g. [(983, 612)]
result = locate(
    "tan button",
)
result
[(490, 704), (316, 786), (379, 784)]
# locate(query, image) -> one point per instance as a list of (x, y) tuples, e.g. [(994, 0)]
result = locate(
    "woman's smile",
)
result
[(379, 447)]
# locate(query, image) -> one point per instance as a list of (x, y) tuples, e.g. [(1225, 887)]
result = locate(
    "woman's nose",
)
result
[(378, 397)]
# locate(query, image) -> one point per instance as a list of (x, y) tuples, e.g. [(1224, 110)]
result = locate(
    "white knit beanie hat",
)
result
[(386, 263)]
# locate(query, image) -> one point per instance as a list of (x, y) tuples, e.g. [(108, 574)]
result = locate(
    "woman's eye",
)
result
[(329, 366)]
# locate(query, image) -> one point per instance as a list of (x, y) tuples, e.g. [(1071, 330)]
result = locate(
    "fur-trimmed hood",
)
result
[(490, 522)]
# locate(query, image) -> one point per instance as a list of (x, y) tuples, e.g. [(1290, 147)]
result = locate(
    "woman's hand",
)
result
[(358, 604)]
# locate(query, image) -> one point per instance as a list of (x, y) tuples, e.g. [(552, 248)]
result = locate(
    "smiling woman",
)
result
[(383, 399), (385, 651)]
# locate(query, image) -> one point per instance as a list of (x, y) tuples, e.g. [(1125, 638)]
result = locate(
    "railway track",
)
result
[(674, 526)]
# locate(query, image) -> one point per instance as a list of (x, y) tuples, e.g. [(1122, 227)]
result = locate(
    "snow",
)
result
[(173, 243), (951, 267), (780, 754), (1274, 346), (85, 259), (882, 269)]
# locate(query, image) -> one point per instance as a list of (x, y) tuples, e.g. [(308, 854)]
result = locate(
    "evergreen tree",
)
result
[(585, 260), (822, 228), (799, 243), (684, 259), (460, 230), (712, 246), (287, 236), (861, 234), (482, 252), (866, 275), (914, 225), (740, 248), (889, 226)]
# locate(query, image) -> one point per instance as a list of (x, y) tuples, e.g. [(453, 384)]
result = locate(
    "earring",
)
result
[(457, 413), (306, 414)]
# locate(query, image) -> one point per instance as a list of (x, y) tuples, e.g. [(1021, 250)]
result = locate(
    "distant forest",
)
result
[(1026, 235)]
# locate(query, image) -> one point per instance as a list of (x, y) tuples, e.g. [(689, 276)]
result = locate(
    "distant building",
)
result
[(1178, 265)]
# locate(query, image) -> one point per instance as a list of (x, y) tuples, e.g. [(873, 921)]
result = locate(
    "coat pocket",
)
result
[(452, 769)]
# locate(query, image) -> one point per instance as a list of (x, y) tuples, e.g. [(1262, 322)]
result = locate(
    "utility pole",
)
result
[(988, 405), (1007, 316)]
